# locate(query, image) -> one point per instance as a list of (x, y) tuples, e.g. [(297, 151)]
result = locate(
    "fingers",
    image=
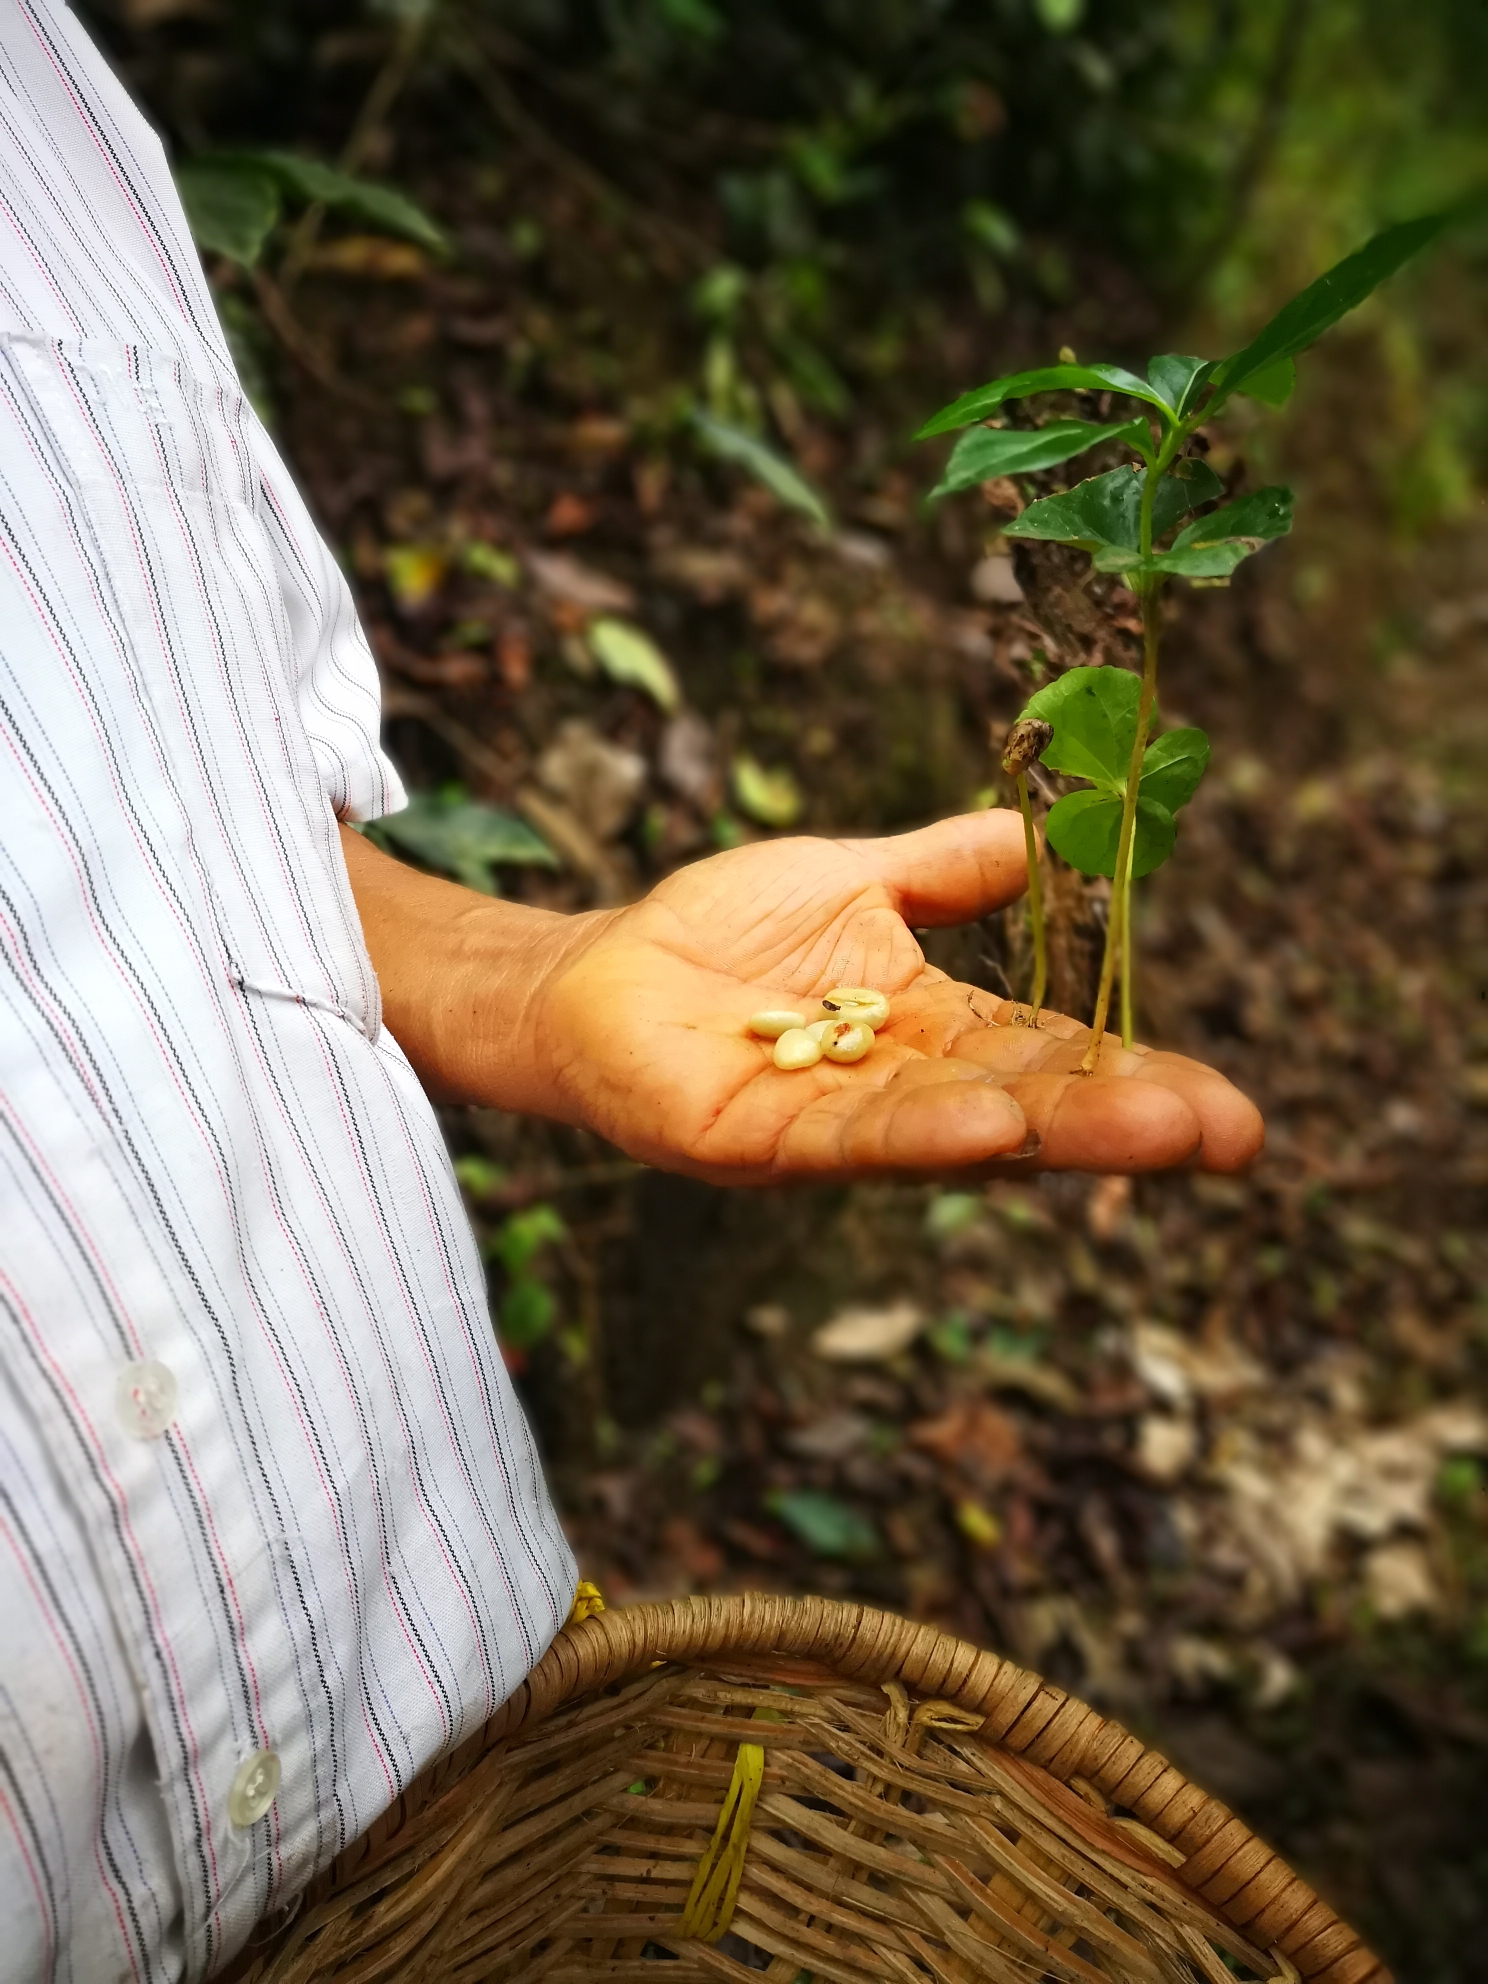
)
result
[(1106, 1123), (953, 872), (929, 1116), (1233, 1128), (1112, 1120)]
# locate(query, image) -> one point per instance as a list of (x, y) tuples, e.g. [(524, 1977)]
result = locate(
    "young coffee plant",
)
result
[(1148, 522)]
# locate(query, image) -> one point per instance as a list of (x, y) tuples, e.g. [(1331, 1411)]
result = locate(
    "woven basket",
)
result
[(712, 1788)]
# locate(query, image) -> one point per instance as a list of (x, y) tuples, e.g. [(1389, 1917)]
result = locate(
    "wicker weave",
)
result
[(929, 1814)]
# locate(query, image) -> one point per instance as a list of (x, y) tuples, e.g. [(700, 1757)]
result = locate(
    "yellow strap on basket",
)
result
[(715, 1885), (587, 1601)]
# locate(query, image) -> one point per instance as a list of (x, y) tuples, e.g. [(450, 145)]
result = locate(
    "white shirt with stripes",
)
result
[(273, 1533)]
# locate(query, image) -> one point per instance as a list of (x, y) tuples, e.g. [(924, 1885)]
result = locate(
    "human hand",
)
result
[(640, 1029)]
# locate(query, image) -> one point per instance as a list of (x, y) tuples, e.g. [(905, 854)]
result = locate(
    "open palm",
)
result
[(645, 1029)]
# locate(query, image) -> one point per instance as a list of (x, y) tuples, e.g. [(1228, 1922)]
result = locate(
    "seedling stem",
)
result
[(1035, 905), (1027, 738), (1121, 886)]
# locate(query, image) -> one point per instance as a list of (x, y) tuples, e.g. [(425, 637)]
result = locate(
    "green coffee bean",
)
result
[(847, 1040), (857, 1002), (796, 1049), (774, 1021)]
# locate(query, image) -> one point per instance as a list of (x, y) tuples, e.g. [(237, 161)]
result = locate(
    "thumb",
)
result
[(953, 872)]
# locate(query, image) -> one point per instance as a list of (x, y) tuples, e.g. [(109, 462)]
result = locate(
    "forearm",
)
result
[(462, 978)]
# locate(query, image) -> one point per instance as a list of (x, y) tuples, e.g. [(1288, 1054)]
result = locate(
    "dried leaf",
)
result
[(565, 578), (414, 574), (602, 782), (867, 1336)]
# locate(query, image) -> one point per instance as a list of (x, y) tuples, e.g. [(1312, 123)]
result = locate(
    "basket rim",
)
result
[(1048, 1728)]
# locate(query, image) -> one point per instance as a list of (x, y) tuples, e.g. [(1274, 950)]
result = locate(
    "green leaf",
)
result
[(1094, 714), (526, 1314), (518, 1239), (1213, 546), (1103, 515), (1188, 482), (1319, 307), (1172, 766), (828, 1527), (362, 199), (1173, 375), (983, 452), (982, 400), (232, 208), (463, 838), (771, 797), (1085, 828), (762, 462), (1273, 384), (629, 656)]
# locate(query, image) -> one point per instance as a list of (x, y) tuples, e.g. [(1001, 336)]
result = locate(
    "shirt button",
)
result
[(145, 1398), (254, 1788)]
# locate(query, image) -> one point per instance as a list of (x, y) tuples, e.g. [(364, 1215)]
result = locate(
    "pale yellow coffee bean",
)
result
[(797, 1049), (847, 1040), (773, 1022), (857, 1002), (818, 1028)]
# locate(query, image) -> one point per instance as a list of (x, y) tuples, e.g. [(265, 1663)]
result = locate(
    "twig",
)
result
[(387, 84), (568, 836), (666, 238), (298, 342)]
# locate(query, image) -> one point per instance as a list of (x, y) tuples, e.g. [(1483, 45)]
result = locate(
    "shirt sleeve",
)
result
[(337, 685)]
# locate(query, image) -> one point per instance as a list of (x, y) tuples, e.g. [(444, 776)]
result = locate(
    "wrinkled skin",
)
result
[(634, 1021)]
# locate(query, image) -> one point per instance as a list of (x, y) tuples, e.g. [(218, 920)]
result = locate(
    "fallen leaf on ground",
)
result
[(974, 1435), (414, 574), (569, 515), (771, 797), (1398, 1579), (832, 1437), (602, 782), (688, 760), (978, 1525), (630, 657), (564, 578), (489, 561), (828, 1527), (866, 1336), (372, 257)]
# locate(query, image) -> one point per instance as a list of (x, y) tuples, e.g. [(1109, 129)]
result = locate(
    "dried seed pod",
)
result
[(846, 1040), (796, 1049), (857, 1002), (1027, 739), (774, 1021)]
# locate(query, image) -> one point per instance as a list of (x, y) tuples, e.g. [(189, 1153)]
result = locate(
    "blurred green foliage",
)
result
[(831, 174)]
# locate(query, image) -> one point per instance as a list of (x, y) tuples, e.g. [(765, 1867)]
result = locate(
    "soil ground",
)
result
[(1209, 1452)]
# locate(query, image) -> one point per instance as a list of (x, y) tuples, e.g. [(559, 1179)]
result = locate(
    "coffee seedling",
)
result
[(1146, 522)]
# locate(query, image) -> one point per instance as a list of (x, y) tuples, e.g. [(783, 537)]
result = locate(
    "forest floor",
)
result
[(1209, 1452)]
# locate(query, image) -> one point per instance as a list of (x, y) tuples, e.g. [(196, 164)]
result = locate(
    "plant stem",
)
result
[(1128, 953), (1120, 882), (386, 85), (1035, 904)]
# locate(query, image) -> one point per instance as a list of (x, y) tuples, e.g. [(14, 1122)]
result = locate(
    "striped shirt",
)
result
[(273, 1533)]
